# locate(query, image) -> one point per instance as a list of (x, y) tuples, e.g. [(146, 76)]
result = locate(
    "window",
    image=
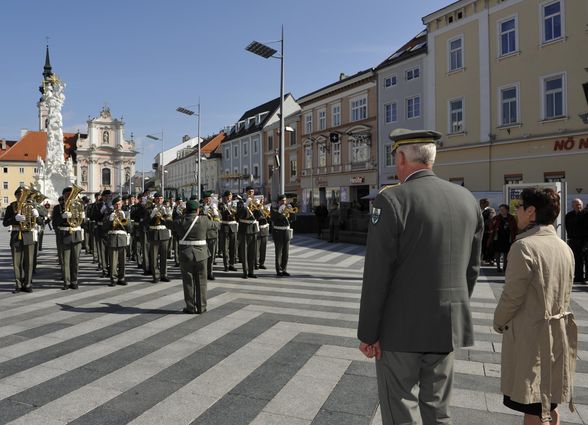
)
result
[(388, 157), (5, 185), (245, 148), (336, 153), (360, 151), (513, 178), (227, 153), (270, 142), (255, 171), (456, 54), (308, 156), (236, 151), (270, 171), (359, 109), (245, 171), (553, 97), (6, 200), (308, 123), (507, 30), (390, 81), (509, 105), (336, 110), (35, 170), (413, 107), (293, 137), (293, 168), (5, 170), (391, 112), (552, 21), (21, 184), (322, 118), (554, 176), (456, 116), (21, 170), (413, 73), (106, 176), (255, 145), (322, 155)]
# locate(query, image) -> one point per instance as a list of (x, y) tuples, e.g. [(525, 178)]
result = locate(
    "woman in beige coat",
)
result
[(539, 341)]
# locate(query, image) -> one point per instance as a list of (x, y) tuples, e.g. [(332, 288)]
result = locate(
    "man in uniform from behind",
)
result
[(421, 265), (282, 234), (191, 229), (117, 227), (228, 231), (22, 245)]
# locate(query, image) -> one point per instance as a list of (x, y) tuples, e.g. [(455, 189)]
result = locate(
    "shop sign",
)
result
[(357, 180), (570, 143)]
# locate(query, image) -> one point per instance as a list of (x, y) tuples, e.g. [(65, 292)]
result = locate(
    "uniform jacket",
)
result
[(191, 253), (16, 236), (421, 264), (539, 338), (68, 238), (212, 232), (243, 213), (117, 240), (279, 219), (263, 222), (226, 212), (158, 234)]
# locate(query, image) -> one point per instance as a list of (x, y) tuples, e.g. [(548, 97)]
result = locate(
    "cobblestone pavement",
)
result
[(268, 351)]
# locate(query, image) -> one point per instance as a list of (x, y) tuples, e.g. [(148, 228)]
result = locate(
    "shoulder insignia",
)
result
[(389, 186), (376, 215)]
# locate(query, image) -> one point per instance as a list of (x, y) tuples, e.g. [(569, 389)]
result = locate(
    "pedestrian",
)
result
[(487, 215), (421, 265), (334, 222), (577, 232), (322, 217), (539, 334), (503, 231)]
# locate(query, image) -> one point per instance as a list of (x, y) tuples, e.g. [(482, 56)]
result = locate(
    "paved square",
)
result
[(268, 351)]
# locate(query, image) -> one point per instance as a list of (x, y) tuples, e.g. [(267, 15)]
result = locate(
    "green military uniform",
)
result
[(421, 264), (281, 235), (228, 233), (262, 236), (191, 229), (117, 230), (71, 246), (22, 248), (247, 235), (212, 234), (159, 237), (40, 233)]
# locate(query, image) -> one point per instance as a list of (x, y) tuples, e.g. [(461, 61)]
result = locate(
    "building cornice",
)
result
[(447, 9)]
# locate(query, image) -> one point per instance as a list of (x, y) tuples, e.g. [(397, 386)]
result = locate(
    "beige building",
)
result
[(338, 142), (504, 85)]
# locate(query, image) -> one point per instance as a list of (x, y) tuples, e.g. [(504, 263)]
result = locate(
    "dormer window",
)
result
[(250, 122), (261, 117)]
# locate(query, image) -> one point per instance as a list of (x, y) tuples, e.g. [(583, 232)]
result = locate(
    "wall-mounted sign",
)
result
[(570, 143), (357, 180)]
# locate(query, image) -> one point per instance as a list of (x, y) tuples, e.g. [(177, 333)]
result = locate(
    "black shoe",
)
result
[(210, 277), (16, 290), (111, 283), (121, 282), (147, 272), (74, 285), (232, 268), (262, 267), (64, 287), (155, 280), (28, 289), (165, 279), (256, 267), (244, 276), (252, 276), (98, 268), (280, 274), (185, 310), (285, 274), (201, 311), (226, 269)]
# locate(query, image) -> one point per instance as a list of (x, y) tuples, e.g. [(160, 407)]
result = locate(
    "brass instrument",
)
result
[(289, 210), (25, 208), (120, 220), (160, 214), (75, 207)]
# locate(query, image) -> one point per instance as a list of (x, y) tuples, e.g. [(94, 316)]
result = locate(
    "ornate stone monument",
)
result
[(55, 173)]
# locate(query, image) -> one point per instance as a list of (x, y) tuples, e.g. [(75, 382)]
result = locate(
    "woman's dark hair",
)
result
[(545, 201)]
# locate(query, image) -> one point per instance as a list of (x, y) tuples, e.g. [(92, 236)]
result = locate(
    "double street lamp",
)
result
[(189, 112), (267, 52), (152, 137)]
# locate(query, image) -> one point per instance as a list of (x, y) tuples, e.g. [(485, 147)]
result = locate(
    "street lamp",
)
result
[(267, 52), (152, 137), (190, 113)]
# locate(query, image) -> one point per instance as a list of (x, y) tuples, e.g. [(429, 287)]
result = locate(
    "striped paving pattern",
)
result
[(268, 351)]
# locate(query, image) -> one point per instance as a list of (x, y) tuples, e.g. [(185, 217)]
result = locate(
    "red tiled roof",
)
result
[(213, 143), (34, 144)]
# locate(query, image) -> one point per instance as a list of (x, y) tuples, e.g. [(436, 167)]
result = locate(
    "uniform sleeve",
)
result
[(9, 215), (518, 277), (380, 260), (57, 220), (475, 255)]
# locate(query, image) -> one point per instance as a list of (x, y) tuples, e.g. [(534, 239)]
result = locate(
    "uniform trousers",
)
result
[(261, 249), (212, 251), (118, 261), (22, 262), (146, 253), (282, 245), (228, 245), (58, 240), (194, 283), (158, 258), (413, 383), (247, 252), (38, 247), (71, 259)]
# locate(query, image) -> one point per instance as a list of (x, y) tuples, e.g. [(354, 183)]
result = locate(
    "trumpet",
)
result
[(120, 220), (289, 210)]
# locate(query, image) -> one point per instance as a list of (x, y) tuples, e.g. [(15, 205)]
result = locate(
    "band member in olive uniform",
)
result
[(71, 242), (138, 213), (117, 227), (177, 212), (228, 232), (248, 229), (281, 233), (97, 218), (144, 230), (261, 243), (191, 228), (211, 211), (22, 245), (92, 227), (159, 237), (58, 235), (40, 232), (105, 213), (86, 225)]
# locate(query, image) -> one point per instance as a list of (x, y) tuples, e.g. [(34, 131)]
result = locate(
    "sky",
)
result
[(144, 58)]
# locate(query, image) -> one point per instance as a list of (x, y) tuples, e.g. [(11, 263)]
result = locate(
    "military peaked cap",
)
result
[(192, 205), (402, 136)]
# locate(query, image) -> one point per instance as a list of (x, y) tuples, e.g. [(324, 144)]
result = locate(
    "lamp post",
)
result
[(190, 113), (267, 52), (152, 137)]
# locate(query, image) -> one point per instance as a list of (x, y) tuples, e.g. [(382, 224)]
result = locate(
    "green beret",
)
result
[(206, 194), (403, 136), (117, 199), (192, 205)]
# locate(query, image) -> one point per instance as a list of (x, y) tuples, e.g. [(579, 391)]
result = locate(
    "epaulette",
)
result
[(388, 186)]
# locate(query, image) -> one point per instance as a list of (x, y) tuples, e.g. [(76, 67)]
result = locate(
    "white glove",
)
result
[(20, 217), (282, 208), (103, 209), (112, 215), (35, 213), (153, 212), (66, 215)]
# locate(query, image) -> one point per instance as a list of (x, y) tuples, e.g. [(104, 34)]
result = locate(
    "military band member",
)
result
[(211, 211), (191, 228), (86, 225), (40, 232), (247, 235), (228, 231), (261, 242), (138, 214), (177, 212), (71, 241), (58, 235), (135, 243), (159, 237), (105, 213), (97, 218), (144, 230), (281, 219), (92, 227), (22, 245), (117, 227)]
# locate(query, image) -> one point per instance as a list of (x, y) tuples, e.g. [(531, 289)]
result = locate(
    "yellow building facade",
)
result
[(506, 84)]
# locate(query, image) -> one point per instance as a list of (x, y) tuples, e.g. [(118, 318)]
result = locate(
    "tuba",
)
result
[(25, 207), (75, 207)]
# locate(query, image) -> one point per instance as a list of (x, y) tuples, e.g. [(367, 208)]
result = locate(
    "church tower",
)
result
[(43, 112)]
